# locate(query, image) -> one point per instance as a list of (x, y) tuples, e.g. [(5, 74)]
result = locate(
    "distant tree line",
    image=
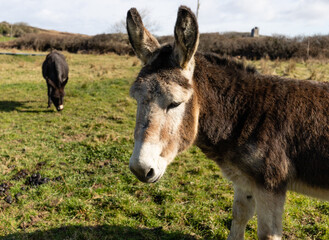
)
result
[(232, 44), (273, 47), (99, 44), (16, 29)]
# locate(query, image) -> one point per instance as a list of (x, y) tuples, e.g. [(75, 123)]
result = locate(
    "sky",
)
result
[(91, 17)]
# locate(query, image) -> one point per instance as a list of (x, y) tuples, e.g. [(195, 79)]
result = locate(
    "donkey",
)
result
[(55, 70), (267, 134)]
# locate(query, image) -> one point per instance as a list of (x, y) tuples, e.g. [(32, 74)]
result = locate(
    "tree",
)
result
[(4, 28), (120, 26)]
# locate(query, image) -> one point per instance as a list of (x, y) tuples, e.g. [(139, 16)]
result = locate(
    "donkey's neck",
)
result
[(224, 89)]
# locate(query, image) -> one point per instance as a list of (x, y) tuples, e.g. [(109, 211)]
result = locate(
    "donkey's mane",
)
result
[(228, 62), (165, 53)]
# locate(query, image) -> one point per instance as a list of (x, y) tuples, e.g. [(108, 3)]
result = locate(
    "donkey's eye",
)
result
[(172, 105)]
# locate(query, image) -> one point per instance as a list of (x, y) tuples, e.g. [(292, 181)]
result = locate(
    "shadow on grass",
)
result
[(98, 233), (9, 106), (35, 111)]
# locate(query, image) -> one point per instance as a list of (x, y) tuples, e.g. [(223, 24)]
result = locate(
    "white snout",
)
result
[(146, 162), (60, 107)]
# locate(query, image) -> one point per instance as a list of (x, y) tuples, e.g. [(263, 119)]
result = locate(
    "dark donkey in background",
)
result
[(55, 70), (268, 134)]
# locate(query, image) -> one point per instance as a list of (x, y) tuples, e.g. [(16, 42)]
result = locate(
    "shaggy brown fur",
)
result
[(283, 121)]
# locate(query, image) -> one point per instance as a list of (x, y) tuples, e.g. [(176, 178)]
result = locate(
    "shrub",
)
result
[(4, 28), (230, 44), (103, 43)]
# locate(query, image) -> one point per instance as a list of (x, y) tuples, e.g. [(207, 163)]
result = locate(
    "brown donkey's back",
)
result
[(282, 123)]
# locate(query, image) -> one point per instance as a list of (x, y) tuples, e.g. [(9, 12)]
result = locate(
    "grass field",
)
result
[(83, 153), (5, 39)]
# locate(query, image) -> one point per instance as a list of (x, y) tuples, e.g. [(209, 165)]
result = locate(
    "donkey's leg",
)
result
[(49, 93), (243, 210), (269, 208), (49, 102)]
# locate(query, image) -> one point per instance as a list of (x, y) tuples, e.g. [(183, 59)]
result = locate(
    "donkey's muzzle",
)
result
[(146, 175), (60, 108)]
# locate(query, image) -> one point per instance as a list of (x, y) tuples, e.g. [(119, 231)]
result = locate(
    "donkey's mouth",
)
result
[(151, 177), (149, 180), (156, 179)]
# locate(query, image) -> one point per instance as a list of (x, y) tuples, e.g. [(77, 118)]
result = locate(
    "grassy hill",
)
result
[(82, 155), (19, 29)]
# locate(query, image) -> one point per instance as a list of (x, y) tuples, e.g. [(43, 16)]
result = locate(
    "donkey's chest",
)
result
[(239, 177), (237, 164)]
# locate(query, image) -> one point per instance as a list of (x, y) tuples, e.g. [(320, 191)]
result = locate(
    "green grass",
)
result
[(5, 39), (307, 70), (89, 145)]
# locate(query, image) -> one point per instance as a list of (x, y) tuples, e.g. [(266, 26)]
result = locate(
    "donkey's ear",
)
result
[(51, 83), (142, 41), (65, 82), (186, 36)]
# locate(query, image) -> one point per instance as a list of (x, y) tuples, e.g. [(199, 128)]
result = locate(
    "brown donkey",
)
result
[(267, 134)]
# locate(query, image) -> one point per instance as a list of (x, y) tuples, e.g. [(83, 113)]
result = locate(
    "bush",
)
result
[(231, 44), (104, 43), (241, 45), (4, 28)]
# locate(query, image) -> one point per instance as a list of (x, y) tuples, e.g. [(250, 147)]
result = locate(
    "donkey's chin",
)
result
[(150, 180), (147, 179)]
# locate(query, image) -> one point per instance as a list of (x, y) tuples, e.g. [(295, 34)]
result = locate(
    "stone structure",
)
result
[(255, 32)]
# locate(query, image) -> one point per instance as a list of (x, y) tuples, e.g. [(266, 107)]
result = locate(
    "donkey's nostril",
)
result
[(150, 174)]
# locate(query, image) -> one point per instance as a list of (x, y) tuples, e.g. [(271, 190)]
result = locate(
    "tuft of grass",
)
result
[(84, 152), (290, 68), (311, 69), (265, 67)]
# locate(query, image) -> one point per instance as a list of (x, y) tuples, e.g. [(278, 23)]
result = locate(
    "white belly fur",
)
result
[(300, 187), (247, 183)]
